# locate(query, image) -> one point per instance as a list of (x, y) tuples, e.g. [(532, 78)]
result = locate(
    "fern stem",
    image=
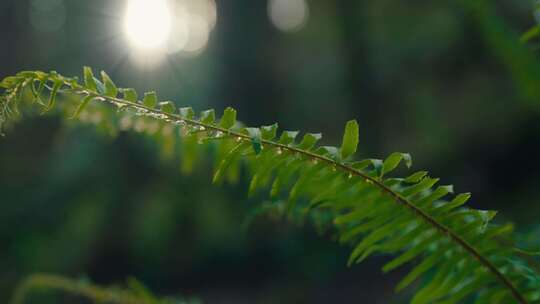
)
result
[(397, 197)]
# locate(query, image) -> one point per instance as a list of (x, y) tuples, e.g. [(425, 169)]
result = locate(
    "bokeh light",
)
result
[(180, 30), (168, 27), (288, 15), (148, 23), (198, 34)]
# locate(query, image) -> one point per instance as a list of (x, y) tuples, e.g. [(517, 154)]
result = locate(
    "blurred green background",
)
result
[(447, 81)]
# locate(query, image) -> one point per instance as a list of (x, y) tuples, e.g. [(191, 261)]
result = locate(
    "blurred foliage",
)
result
[(136, 293)]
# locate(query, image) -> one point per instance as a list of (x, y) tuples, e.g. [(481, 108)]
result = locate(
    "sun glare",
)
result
[(148, 23)]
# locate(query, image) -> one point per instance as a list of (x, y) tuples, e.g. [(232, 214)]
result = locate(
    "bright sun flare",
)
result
[(148, 23)]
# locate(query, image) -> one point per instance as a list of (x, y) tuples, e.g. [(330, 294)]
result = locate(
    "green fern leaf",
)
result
[(410, 218)]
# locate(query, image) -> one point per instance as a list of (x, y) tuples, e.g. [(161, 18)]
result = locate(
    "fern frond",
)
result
[(136, 293), (457, 251)]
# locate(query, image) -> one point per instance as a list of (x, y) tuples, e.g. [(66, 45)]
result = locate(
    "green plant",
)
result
[(136, 293), (461, 254)]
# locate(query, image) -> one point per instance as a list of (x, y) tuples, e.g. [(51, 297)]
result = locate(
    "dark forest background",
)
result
[(447, 81)]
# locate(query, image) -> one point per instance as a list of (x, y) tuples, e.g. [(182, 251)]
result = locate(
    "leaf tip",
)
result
[(350, 139)]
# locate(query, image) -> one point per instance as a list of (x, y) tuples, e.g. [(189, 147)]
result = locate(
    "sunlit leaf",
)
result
[(110, 87), (89, 80), (309, 140), (228, 120), (269, 132), (130, 95), (208, 116), (150, 99), (167, 107), (350, 139), (393, 161), (187, 112), (288, 137)]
